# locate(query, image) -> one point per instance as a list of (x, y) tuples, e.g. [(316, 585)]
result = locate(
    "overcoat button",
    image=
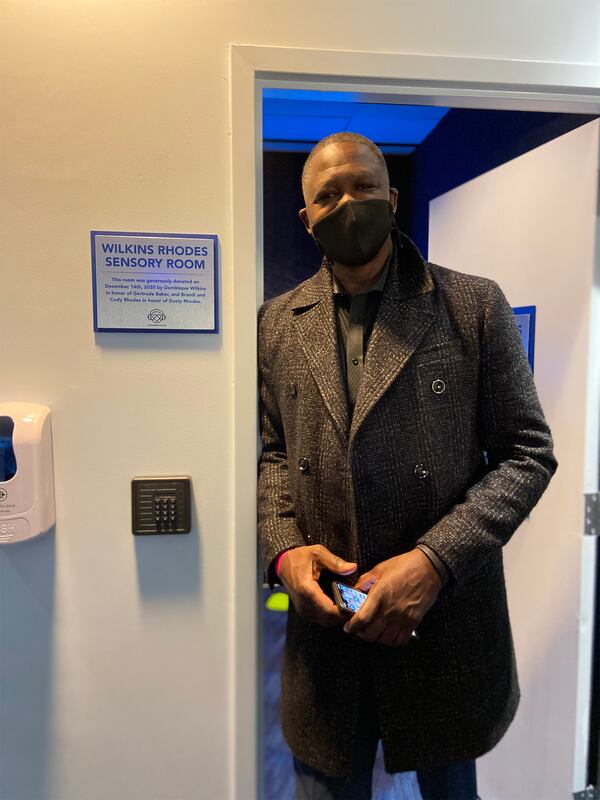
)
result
[(438, 386), (293, 389), (303, 464), (421, 471)]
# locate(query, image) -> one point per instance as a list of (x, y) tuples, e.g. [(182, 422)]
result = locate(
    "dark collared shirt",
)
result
[(355, 317)]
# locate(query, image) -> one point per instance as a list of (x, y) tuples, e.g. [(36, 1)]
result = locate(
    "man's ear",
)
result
[(303, 214), (394, 198)]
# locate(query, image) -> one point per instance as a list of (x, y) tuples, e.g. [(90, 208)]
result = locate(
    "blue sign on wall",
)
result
[(525, 318), (154, 282)]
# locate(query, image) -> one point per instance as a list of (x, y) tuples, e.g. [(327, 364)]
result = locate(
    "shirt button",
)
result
[(438, 386), (293, 389), (303, 465), (421, 471), (355, 361)]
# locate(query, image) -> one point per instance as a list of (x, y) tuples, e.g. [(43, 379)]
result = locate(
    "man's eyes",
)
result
[(328, 194)]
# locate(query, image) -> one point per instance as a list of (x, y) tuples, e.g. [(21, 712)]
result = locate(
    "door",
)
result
[(530, 224)]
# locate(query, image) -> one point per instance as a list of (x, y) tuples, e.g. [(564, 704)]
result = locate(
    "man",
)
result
[(403, 444)]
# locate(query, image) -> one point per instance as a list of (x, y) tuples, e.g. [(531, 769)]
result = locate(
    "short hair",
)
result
[(342, 136)]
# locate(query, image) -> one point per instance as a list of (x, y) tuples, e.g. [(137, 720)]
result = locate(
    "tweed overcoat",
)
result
[(447, 446)]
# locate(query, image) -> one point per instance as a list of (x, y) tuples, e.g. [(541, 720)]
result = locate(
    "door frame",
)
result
[(402, 77)]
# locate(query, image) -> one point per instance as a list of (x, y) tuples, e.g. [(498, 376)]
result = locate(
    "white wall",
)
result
[(530, 225), (116, 655)]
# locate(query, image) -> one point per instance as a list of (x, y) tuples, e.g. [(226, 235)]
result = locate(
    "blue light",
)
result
[(299, 118), (281, 146), (306, 94)]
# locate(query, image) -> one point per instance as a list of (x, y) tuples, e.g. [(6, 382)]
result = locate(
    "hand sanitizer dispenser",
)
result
[(26, 472)]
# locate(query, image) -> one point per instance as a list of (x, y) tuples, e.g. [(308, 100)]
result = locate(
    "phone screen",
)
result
[(352, 598)]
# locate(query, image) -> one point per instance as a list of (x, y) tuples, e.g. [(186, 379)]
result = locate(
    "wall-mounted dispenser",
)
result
[(26, 472)]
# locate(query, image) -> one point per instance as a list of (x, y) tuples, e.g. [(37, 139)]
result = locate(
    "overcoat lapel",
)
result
[(314, 321), (405, 315)]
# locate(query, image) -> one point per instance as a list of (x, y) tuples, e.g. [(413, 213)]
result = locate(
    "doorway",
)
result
[(468, 96), (437, 157)]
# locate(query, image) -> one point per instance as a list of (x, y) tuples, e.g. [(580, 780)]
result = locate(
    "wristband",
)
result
[(278, 561)]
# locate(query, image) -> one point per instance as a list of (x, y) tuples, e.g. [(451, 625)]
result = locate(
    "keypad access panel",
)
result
[(161, 505)]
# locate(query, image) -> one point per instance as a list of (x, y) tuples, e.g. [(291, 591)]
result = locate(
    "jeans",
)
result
[(455, 782)]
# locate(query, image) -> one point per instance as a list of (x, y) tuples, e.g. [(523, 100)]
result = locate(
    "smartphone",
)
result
[(349, 600)]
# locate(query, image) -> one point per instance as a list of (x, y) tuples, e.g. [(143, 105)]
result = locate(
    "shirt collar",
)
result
[(378, 286)]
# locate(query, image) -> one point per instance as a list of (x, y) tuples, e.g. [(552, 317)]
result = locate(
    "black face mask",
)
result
[(354, 232)]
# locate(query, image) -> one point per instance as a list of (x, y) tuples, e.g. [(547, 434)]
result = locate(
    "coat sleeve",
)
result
[(519, 448), (277, 527)]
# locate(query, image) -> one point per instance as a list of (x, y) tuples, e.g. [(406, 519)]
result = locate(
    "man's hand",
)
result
[(300, 571), (401, 591)]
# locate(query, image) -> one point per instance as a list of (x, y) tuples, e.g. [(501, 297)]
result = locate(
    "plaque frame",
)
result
[(153, 235)]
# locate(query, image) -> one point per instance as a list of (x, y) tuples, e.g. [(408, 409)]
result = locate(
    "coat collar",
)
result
[(403, 319), (409, 277)]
